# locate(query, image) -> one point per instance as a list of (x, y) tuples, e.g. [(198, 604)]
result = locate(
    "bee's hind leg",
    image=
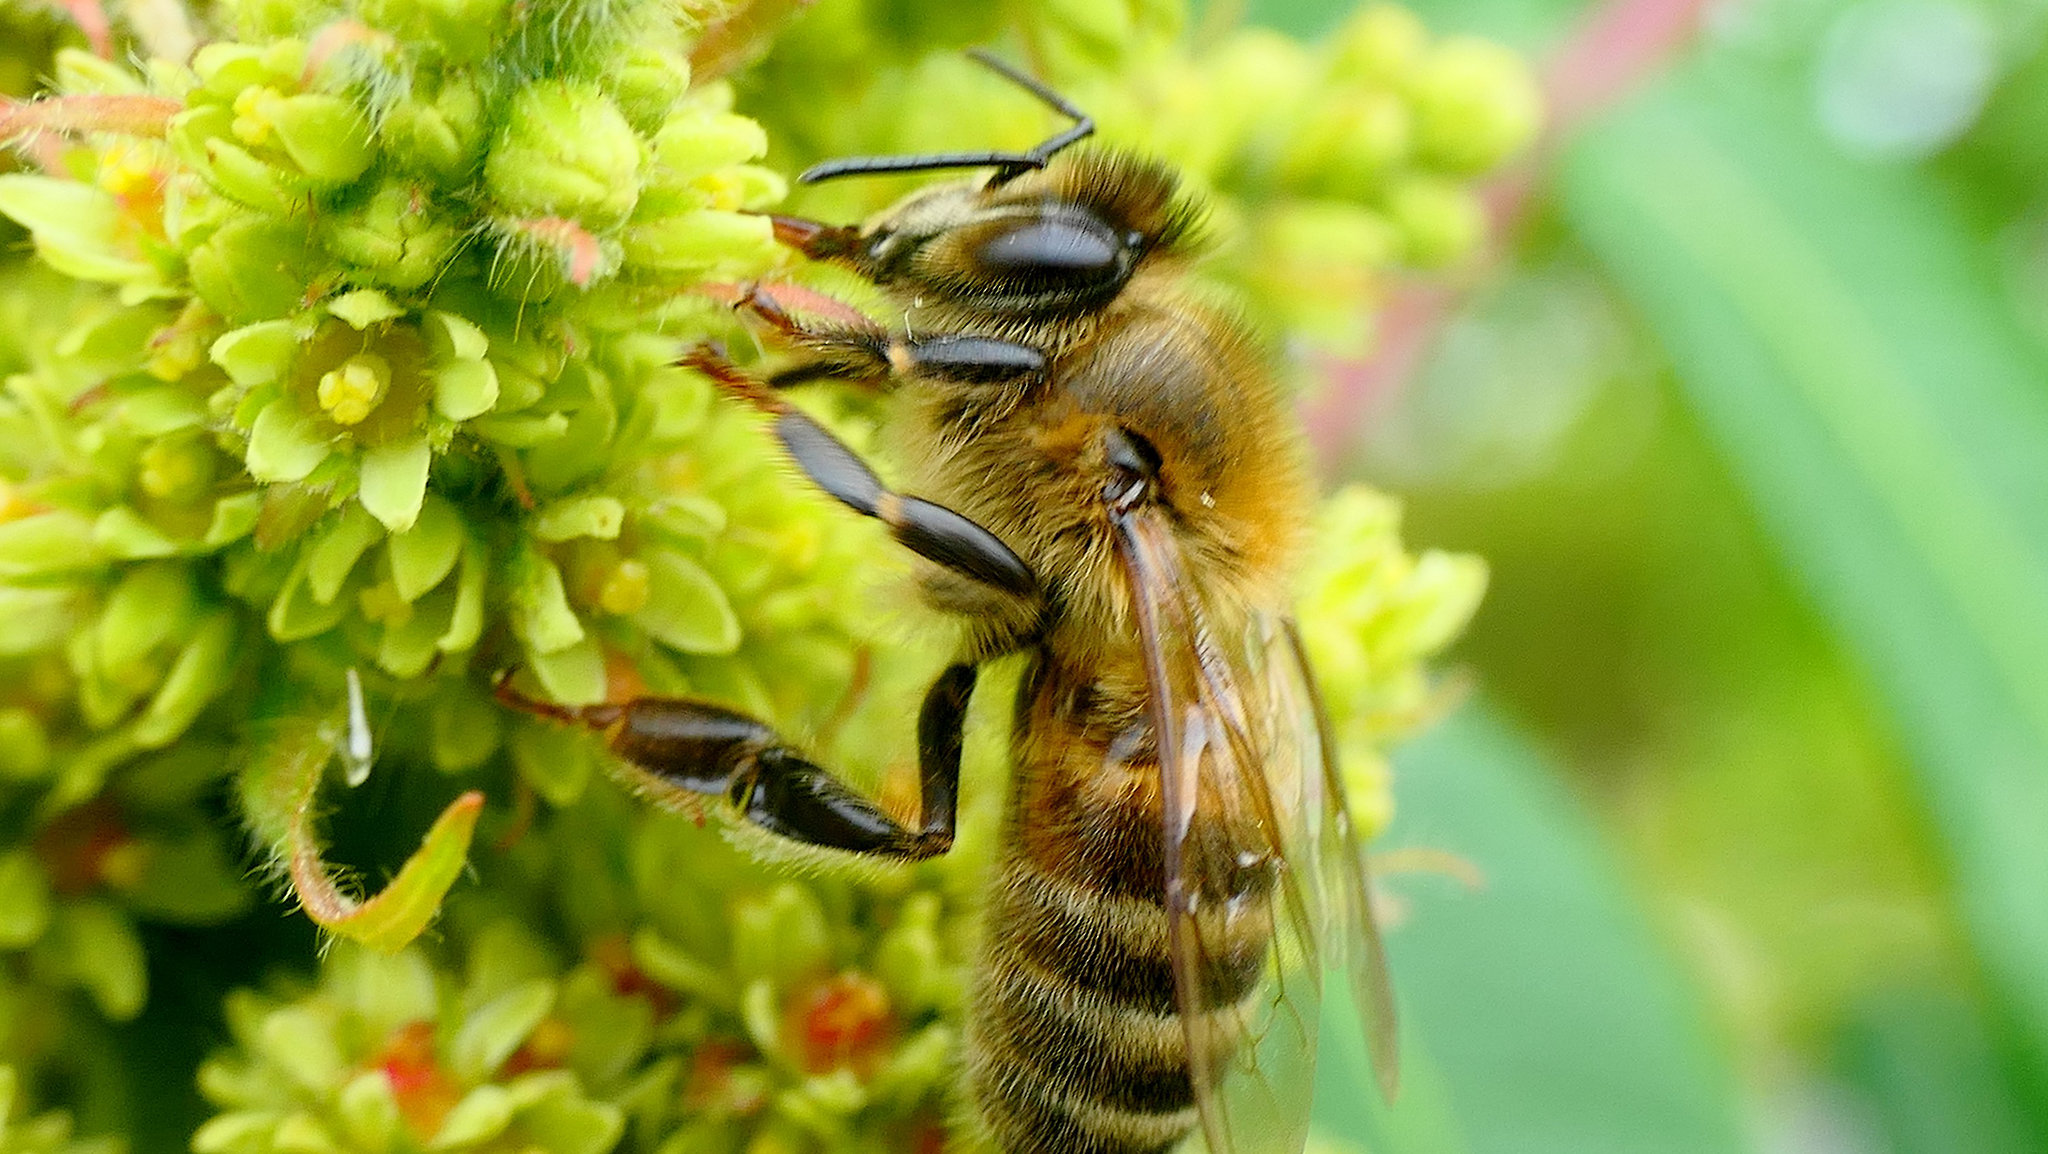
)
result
[(707, 749), (932, 531)]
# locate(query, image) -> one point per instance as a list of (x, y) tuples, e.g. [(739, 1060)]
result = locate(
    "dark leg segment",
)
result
[(707, 749), (865, 354), (933, 532)]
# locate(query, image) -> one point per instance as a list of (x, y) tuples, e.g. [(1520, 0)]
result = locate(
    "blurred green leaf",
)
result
[(1551, 1016), (1834, 325), (1933, 1072)]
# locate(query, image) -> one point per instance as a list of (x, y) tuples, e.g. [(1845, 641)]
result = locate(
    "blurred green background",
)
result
[(1750, 417)]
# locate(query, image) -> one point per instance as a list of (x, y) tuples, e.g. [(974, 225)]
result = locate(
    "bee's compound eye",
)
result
[(1055, 249), (1131, 452)]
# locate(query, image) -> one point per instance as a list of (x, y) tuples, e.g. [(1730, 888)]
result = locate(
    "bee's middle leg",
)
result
[(707, 749), (930, 530)]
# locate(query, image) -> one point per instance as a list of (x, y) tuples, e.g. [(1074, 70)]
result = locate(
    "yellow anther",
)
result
[(173, 469), (724, 190), (253, 109), (349, 391), (625, 589)]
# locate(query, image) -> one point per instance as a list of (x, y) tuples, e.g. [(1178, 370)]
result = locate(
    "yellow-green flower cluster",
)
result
[(48, 1133), (342, 381), (1372, 616), (1327, 169), (695, 999)]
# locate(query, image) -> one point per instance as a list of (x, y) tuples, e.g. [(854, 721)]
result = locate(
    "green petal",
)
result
[(573, 676), (24, 900), (491, 1033), (74, 226), (465, 389), (46, 543), (555, 760), (234, 517), (465, 731), (481, 1116), (540, 608), (332, 555), (199, 674), (126, 535), (300, 1041), (285, 444), (566, 1125), (327, 136), (100, 945), (592, 515), (394, 482), (363, 308), (424, 555), (148, 607), (369, 1110), (686, 609), (466, 624), (454, 338), (256, 354), (408, 647), (166, 409), (242, 1132)]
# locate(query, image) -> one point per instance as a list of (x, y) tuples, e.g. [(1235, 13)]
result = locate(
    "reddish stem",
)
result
[(91, 18), (123, 115)]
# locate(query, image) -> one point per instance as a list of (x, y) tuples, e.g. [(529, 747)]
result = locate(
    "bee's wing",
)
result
[(1236, 802), (1352, 933)]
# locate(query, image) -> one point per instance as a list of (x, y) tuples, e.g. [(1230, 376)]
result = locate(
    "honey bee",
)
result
[(1112, 483)]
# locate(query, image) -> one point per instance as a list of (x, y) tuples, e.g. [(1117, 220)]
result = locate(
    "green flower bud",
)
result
[(176, 468), (442, 138), (1348, 143), (1441, 222), (706, 242), (252, 269), (650, 81), (459, 30), (699, 140), (1379, 44), (565, 150), (1475, 105), (397, 237)]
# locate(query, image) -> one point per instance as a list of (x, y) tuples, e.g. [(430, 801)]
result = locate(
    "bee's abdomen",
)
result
[(1075, 1041)]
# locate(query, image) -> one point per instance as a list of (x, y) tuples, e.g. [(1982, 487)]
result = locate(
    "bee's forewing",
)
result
[(1352, 933), (1237, 799)]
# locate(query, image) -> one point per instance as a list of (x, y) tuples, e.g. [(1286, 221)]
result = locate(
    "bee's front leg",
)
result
[(707, 749), (864, 354), (930, 530)]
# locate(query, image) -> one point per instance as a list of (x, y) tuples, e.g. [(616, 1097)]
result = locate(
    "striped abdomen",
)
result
[(1074, 1042)]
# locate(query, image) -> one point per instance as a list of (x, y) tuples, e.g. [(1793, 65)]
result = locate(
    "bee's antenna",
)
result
[(1006, 164)]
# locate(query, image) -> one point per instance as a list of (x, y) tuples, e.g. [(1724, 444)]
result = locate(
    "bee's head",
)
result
[(1060, 239), (1047, 232)]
